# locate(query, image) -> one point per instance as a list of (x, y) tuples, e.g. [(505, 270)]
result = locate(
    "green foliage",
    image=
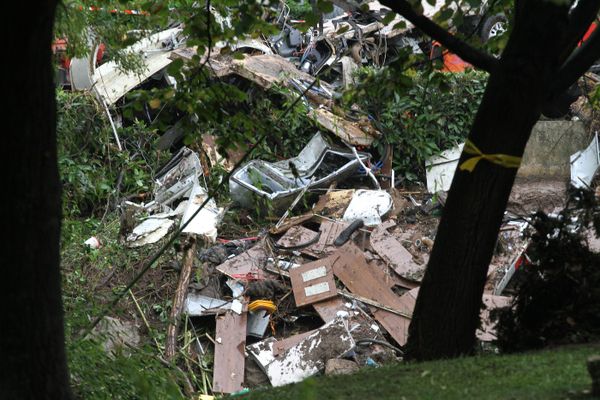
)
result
[(299, 10), (420, 114), (139, 375), (93, 170), (87, 24)]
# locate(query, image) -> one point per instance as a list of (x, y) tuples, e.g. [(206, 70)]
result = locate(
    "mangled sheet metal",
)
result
[(149, 231), (319, 164), (440, 169), (110, 82), (179, 179), (584, 165), (197, 305)]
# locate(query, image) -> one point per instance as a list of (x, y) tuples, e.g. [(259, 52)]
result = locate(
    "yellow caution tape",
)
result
[(503, 160), (262, 305)]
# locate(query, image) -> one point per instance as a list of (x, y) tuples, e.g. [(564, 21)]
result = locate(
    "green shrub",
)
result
[(93, 170), (420, 115)]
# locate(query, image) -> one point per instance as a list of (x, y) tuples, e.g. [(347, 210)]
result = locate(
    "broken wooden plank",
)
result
[(230, 339), (313, 282), (391, 251), (328, 309), (348, 131), (291, 222), (369, 282), (283, 345), (269, 69), (374, 303), (308, 357), (330, 230), (298, 235), (180, 295), (246, 266), (333, 204)]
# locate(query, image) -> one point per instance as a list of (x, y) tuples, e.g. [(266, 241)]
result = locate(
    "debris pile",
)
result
[(331, 289)]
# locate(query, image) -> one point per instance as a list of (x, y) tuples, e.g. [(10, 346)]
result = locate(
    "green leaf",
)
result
[(400, 25), (389, 17), (175, 66), (325, 6)]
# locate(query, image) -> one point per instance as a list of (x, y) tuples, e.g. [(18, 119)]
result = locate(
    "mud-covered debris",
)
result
[(340, 366)]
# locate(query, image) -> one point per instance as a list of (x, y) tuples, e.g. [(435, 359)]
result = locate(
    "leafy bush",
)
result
[(420, 114), (93, 170), (299, 9), (558, 295)]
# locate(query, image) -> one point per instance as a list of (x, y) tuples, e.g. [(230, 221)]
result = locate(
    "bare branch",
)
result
[(473, 56), (576, 65)]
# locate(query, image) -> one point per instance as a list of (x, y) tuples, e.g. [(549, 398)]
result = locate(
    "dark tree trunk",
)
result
[(32, 348), (446, 314)]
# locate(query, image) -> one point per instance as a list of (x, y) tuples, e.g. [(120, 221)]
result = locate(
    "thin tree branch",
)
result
[(577, 64), (473, 56)]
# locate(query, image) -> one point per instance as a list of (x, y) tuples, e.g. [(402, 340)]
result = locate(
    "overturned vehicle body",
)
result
[(318, 165)]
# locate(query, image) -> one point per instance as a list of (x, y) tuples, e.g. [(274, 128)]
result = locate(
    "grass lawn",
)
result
[(559, 373)]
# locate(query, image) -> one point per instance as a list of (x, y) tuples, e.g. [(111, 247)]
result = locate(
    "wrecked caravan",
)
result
[(318, 165)]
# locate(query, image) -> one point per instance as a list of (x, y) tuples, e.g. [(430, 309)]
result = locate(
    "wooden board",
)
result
[(230, 337), (246, 266), (283, 345), (313, 282), (370, 282), (392, 252), (344, 129), (324, 247), (328, 309), (333, 204)]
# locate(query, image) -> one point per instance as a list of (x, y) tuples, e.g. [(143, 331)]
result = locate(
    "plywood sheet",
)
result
[(313, 282), (328, 309), (230, 338), (370, 282), (246, 266), (391, 251)]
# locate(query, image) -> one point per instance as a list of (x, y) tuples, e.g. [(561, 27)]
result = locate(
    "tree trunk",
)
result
[(446, 314), (32, 337)]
